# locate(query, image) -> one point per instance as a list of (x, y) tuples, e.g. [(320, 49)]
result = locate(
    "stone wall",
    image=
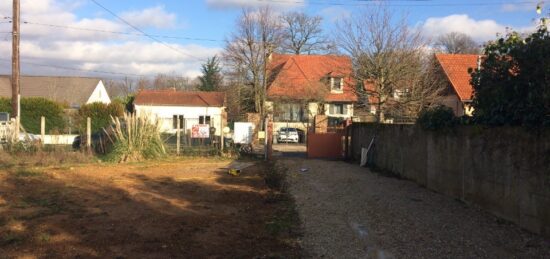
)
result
[(503, 170)]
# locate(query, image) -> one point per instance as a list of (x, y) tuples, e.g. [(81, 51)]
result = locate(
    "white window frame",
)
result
[(340, 89), (342, 105)]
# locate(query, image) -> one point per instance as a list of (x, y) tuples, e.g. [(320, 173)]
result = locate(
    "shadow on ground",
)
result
[(137, 213)]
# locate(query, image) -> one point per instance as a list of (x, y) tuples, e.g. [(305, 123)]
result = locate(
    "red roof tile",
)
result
[(180, 98), (456, 68), (306, 77)]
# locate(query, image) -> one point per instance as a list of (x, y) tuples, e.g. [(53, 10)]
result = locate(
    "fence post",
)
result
[(43, 129), (178, 136), (89, 133), (221, 133)]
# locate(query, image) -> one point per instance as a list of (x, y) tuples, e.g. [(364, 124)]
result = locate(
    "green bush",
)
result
[(100, 114), (513, 86), (32, 109), (437, 117), (127, 102)]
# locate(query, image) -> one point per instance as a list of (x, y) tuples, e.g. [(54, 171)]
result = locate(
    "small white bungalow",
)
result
[(192, 108)]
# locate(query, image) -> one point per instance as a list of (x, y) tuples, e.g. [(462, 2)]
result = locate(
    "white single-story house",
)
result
[(72, 91), (190, 107)]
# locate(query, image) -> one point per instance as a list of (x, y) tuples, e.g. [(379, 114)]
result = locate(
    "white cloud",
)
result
[(222, 4), (479, 30), (334, 13), (518, 7), (143, 58), (151, 17), (92, 50)]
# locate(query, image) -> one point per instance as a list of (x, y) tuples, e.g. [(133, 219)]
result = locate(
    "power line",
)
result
[(113, 32), (144, 33), (119, 32), (76, 69), (372, 2)]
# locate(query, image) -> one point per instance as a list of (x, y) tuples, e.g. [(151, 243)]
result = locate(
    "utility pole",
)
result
[(15, 68)]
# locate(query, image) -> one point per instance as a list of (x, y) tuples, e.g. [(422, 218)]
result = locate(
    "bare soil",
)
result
[(188, 208)]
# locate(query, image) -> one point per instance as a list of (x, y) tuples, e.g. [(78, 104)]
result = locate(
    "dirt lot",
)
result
[(172, 209)]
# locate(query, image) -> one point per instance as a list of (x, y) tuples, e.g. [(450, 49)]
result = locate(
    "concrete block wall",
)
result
[(505, 171)]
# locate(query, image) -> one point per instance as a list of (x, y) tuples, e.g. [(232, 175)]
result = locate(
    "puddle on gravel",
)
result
[(359, 229), (372, 251)]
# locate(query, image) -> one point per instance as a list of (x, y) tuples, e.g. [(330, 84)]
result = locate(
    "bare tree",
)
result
[(389, 54), (457, 43), (303, 34), (258, 32), (119, 87), (170, 81)]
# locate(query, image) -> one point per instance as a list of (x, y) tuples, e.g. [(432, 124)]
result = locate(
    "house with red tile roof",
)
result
[(302, 86), (190, 107), (456, 68)]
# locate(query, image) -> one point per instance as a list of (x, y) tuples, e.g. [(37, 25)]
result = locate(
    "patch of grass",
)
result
[(4, 221), (21, 205), (275, 176), (286, 221), (51, 201), (25, 172), (10, 239), (44, 237)]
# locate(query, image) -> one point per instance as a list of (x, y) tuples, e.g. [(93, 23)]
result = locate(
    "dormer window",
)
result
[(336, 84)]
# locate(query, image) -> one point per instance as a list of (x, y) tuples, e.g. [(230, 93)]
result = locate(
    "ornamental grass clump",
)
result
[(135, 138)]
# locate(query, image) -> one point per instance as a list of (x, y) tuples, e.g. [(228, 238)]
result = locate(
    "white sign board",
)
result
[(200, 131), (243, 133)]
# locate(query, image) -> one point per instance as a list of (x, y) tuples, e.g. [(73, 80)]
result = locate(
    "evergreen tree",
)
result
[(211, 78)]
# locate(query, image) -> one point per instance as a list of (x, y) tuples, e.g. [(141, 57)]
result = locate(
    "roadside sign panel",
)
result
[(200, 131)]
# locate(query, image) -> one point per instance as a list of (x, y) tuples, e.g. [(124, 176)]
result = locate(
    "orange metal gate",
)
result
[(325, 145)]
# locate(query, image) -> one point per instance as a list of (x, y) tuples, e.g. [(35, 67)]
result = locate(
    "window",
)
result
[(338, 109), (337, 84), (204, 120), (175, 121), (289, 112)]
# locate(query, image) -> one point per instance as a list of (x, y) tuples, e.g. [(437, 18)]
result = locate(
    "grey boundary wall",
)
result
[(505, 171)]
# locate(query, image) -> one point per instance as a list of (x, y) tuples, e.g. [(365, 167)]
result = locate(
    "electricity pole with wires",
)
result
[(15, 68)]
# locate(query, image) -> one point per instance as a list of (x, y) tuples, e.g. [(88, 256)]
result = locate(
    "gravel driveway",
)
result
[(349, 212)]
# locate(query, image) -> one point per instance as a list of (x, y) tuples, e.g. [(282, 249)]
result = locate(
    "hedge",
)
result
[(437, 117), (100, 114), (32, 108)]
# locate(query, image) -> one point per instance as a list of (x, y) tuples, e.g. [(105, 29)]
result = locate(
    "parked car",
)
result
[(293, 135), (101, 143)]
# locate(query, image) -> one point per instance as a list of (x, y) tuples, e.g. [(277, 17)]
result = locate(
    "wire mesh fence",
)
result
[(192, 136)]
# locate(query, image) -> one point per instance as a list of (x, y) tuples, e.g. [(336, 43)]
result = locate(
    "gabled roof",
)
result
[(456, 68), (73, 91), (180, 98), (306, 77)]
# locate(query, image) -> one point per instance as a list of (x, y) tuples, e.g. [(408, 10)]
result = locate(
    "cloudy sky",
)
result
[(78, 37)]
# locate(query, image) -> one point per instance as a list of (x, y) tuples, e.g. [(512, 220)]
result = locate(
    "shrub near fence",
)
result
[(100, 113), (504, 170), (32, 109)]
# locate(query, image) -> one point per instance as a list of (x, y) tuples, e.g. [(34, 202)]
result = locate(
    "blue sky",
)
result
[(45, 41)]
